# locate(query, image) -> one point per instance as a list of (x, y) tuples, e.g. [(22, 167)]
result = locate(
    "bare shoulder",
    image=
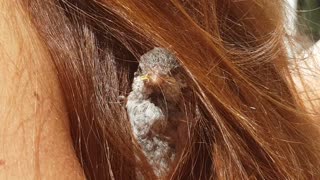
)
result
[(34, 132)]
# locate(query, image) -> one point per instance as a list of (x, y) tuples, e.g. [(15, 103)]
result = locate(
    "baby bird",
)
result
[(153, 99)]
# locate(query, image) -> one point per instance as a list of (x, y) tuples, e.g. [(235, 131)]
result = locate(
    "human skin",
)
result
[(309, 88), (35, 142)]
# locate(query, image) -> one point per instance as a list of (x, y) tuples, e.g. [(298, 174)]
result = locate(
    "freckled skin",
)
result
[(155, 93)]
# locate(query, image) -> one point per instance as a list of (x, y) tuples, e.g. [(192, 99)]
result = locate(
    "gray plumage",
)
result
[(149, 121), (158, 60)]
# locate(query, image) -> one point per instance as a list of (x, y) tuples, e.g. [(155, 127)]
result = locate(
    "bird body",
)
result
[(153, 98)]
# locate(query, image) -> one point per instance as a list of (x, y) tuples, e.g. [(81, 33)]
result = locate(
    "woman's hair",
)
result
[(243, 117)]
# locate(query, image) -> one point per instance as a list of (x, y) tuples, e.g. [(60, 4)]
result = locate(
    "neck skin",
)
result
[(307, 80), (34, 132)]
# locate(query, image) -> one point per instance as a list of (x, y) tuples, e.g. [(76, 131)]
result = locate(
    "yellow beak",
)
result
[(145, 77)]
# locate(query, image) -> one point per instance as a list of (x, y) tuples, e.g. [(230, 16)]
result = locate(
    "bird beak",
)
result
[(145, 77)]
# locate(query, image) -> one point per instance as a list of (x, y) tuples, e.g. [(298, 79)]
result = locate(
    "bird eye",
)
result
[(174, 71)]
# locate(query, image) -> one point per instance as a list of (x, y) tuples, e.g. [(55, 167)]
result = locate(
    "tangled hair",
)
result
[(242, 117)]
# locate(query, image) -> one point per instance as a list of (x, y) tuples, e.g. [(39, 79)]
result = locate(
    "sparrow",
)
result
[(152, 105)]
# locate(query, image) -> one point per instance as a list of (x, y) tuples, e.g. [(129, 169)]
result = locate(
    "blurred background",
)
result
[(304, 19), (303, 27), (308, 19)]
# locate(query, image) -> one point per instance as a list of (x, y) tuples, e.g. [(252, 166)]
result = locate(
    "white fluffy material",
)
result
[(148, 120)]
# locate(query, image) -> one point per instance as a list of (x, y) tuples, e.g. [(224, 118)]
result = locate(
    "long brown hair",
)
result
[(244, 118)]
